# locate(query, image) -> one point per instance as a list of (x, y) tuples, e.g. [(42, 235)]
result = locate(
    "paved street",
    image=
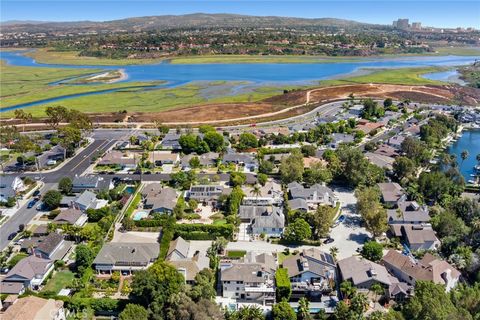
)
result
[(349, 235)]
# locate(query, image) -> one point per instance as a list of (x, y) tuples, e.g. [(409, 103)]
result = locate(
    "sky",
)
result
[(436, 13)]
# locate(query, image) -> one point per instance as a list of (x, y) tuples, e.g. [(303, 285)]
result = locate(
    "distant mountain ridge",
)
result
[(177, 21)]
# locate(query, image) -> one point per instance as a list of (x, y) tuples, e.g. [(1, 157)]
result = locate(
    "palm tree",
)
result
[(347, 289), (256, 191), (303, 312), (334, 252), (464, 155), (377, 289), (249, 313)]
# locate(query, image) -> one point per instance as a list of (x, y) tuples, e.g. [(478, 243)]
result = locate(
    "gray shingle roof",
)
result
[(68, 216), (178, 249), (86, 198), (128, 253), (29, 267), (359, 271), (50, 242)]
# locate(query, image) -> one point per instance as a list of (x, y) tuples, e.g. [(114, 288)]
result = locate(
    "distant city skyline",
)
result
[(441, 14)]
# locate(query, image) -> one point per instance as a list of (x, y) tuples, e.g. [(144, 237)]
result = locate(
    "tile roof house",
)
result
[(363, 273), (392, 192), (30, 272), (367, 126), (408, 212), (53, 247), (188, 263), (270, 194), (314, 195), (269, 220), (312, 273), (96, 183), (126, 257), (162, 201), (208, 159), (35, 308), (71, 216), (251, 279), (88, 200), (419, 237), (10, 186), (207, 193), (429, 268), (159, 158)]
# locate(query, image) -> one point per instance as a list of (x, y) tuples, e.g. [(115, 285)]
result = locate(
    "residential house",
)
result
[(95, 183), (208, 194), (28, 273), (356, 110), (386, 150), (408, 212), (126, 257), (314, 195), (312, 273), (123, 159), (339, 138), (276, 158), (159, 158), (396, 142), (171, 141), (10, 187), (53, 247), (245, 160), (251, 279), (363, 273), (88, 200), (208, 159), (391, 192), (269, 194), (367, 127), (161, 202), (268, 220), (35, 308), (381, 161), (429, 268), (187, 262), (416, 237), (71, 216)]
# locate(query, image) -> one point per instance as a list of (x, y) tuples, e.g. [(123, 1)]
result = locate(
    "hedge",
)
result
[(204, 231), (282, 281), (168, 231)]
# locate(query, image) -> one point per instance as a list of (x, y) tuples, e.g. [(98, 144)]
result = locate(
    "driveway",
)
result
[(349, 235)]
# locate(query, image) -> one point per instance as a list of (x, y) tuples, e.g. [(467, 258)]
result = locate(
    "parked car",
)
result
[(32, 203), (328, 240), (36, 193), (12, 235)]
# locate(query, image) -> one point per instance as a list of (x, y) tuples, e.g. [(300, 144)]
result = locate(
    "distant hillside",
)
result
[(173, 21)]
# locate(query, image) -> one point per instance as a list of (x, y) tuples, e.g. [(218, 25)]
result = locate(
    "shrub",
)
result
[(282, 281)]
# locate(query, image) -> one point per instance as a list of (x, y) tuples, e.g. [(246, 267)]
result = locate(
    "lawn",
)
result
[(219, 222), (59, 281), (236, 253), (133, 204), (50, 56), (15, 259)]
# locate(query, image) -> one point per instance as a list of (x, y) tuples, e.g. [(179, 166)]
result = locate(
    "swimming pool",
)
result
[(140, 215), (130, 189)]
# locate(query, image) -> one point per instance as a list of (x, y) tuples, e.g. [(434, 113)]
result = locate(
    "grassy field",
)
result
[(407, 76), (59, 281), (458, 51), (259, 59), (50, 56), (26, 84)]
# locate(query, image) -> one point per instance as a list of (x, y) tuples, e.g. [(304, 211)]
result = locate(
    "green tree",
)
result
[(23, 116), (403, 167), (322, 220), (247, 140), (154, 286), (351, 166), (291, 167), (297, 231), (237, 179), (283, 287), (133, 311), (334, 252), (65, 185), (430, 302), (347, 289), (234, 200), (464, 155), (52, 199), (371, 210), (283, 311), (204, 287), (194, 162), (372, 250), (83, 257), (317, 173), (188, 142), (248, 313), (214, 141), (262, 178), (388, 102), (303, 312), (377, 289), (55, 115)]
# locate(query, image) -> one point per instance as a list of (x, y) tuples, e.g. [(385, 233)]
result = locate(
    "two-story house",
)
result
[(305, 199)]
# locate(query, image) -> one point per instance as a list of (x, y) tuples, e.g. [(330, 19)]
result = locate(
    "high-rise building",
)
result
[(416, 25), (402, 24)]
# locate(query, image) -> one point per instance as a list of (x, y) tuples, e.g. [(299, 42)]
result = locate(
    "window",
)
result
[(236, 293)]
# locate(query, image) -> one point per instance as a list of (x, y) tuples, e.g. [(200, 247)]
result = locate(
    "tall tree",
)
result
[(291, 167), (303, 312), (371, 210), (133, 311), (283, 311), (55, 115)]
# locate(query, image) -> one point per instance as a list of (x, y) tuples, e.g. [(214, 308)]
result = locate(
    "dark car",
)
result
[(32, 203), (36, 193), (12, 235), (328, 240)]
